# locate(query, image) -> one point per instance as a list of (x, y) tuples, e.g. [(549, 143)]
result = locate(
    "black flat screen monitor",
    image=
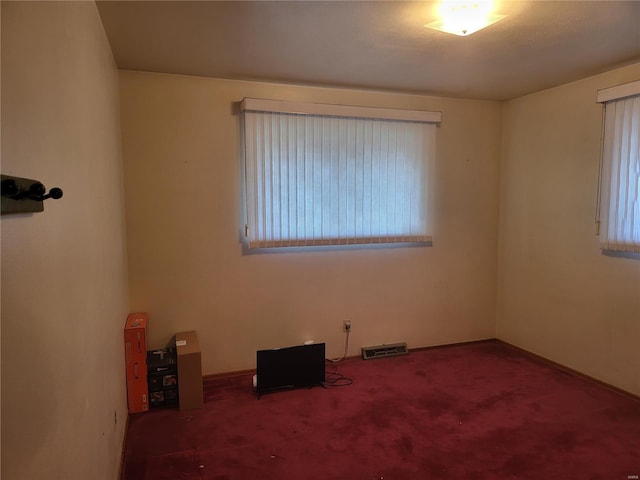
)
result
[(290, 367)]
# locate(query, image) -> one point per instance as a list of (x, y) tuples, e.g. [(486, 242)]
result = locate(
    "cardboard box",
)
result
[(135, 350), (190, 393)]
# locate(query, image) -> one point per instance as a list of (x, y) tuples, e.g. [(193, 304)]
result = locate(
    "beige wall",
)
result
[(187, 268), (64, 277), (559, 296)]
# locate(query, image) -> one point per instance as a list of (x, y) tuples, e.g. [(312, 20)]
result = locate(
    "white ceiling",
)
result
[(379, 45)]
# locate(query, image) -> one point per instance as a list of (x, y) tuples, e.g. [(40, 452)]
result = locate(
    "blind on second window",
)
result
[(325, 180), (620, 211)]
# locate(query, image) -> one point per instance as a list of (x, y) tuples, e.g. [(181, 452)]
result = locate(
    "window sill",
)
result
[(620, 254)]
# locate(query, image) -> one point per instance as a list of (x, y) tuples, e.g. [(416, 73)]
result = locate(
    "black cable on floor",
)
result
[(335, 379)]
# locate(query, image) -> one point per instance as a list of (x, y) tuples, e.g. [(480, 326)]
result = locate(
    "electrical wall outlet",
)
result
[(347, 325)]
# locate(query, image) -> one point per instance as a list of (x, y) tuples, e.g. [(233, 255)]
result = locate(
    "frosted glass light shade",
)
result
[(464, 17)]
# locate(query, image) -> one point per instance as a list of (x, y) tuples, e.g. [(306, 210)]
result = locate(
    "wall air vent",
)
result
[(379, 351)]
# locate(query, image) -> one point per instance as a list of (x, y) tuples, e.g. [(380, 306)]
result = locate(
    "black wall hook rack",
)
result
[(24, 195)]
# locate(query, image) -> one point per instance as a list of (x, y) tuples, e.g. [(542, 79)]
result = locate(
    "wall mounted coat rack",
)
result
[(24, 195)]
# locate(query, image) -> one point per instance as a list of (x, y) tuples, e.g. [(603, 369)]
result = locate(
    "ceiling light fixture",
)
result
[(463, 18)]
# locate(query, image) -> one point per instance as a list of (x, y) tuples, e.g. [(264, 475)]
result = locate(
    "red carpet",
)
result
[(480, 411)]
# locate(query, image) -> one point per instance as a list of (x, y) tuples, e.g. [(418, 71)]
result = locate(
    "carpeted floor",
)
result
[(480, 411)]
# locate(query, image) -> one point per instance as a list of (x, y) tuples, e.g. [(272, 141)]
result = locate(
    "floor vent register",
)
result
[(380, 351)]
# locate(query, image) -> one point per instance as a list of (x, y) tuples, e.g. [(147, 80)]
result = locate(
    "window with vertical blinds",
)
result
[(619, 206), (336, 175)]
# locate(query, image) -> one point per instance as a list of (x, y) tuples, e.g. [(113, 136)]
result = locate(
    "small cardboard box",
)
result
[(189, 371)]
